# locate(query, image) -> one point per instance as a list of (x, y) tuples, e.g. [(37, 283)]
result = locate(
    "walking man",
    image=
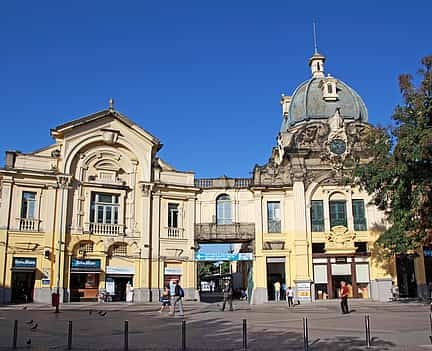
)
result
[(277, 287), (227, 294), (290, 296), (179, 294), (344, 292)]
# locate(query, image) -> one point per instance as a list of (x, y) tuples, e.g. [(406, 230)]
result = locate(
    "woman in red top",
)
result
[(344, 292)]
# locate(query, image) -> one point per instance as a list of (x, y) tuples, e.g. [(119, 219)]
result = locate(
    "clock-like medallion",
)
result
[(337, 146)]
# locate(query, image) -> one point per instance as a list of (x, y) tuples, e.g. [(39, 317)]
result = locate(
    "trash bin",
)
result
[(55, 299)]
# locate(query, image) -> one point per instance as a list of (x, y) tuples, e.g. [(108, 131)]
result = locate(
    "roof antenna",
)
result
[(111, 104), (315, 37)]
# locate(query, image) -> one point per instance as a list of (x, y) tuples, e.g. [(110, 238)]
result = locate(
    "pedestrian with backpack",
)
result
[(178, 298)]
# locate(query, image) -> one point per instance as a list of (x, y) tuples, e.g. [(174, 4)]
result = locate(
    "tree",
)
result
[(399, 174)]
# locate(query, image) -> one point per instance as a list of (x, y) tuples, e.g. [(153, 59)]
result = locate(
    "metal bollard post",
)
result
[(126, 335), (183, 335), (367, 329), (305, 334), (69, 343), (430, 321), (15, 335), (245, 335)]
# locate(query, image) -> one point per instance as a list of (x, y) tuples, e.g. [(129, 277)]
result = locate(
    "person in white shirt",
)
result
[(290, 296)]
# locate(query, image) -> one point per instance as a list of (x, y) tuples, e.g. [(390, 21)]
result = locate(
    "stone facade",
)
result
[(99, 208)]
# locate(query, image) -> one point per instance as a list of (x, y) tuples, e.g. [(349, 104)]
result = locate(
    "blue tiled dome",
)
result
[(308, 103)]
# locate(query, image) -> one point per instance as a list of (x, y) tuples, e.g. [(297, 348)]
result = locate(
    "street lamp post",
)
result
[(63, 185)]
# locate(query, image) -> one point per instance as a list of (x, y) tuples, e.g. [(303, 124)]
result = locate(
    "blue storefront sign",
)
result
[(85, 265), (427, 252), (243, 256), (24, 262)]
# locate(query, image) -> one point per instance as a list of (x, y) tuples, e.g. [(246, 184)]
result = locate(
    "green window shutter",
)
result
[(317, 216), (338, 214), (359, 215)]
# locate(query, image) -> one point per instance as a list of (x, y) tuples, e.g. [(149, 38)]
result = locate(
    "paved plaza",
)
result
[(394, 326)]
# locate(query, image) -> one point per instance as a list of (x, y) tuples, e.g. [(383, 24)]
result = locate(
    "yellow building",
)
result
[(98, 209)]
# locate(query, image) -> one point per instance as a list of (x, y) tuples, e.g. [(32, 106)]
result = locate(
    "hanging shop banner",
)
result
[(24, 262), (88, 265), (243, 256)]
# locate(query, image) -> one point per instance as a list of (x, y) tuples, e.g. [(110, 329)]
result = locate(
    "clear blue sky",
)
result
[(203, 76)]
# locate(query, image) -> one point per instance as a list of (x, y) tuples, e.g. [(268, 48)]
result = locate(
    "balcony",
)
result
[(173, 233), (28, 224), (105, 229), (224, 232)]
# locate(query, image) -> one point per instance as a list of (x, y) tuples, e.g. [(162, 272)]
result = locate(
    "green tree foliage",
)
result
[(399, 174)]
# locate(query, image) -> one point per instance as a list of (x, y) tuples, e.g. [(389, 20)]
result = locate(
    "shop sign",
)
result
[(45, 281), (243, 256), (427, 252), (24, 262), (173, 271), (120, 270), (85, 264)]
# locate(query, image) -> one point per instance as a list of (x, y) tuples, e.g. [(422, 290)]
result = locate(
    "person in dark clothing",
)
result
[(344, 292), (227, 294)]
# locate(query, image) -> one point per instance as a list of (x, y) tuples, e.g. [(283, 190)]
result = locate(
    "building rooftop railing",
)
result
[(223, 182)]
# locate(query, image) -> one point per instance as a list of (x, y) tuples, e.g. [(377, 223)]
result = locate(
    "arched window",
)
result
[(318, 66), (223, 209), (330, 88)]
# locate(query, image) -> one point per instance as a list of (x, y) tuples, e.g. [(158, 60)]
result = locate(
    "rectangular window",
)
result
[(361, 247), (173, 215), (28, 204), (104, 208), (317, 216), (318, 248), (273, 217), (359, 215), (338, 215)]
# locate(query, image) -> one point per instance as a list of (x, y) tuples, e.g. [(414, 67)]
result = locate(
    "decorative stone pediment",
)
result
[(340, 240), (272, 174), (311, 135)]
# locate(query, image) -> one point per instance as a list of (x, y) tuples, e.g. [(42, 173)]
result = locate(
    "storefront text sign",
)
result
[(80, 264), (120, 270), (173, 270), (243, 256), (24, 262)]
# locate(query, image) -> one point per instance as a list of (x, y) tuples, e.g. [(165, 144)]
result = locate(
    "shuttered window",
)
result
[(359, 215), (317, 216), (338, 215)]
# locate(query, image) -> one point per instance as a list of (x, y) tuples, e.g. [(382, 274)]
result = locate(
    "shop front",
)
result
[(172, 271), (275, 273), (23, 279), (84, 279), (330, 271), (116, 281)]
